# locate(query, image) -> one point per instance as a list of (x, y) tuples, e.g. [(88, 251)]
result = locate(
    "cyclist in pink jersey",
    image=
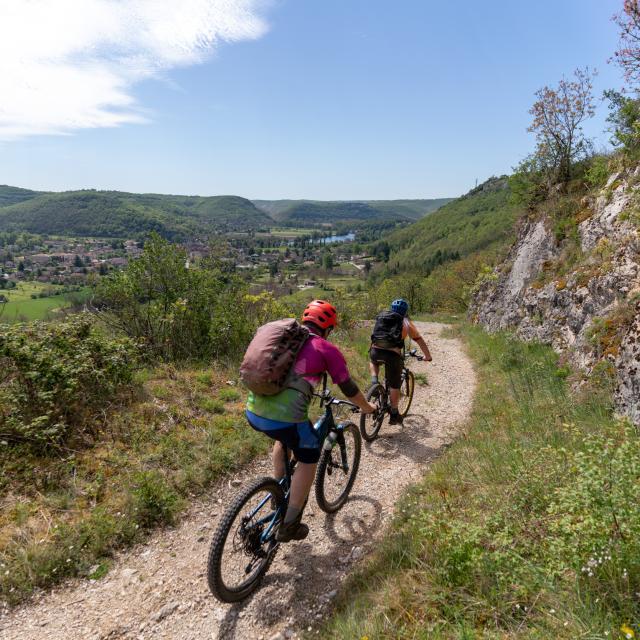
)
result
[(284, 417)]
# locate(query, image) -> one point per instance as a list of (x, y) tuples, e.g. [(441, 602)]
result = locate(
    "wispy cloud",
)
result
[(71, 64)]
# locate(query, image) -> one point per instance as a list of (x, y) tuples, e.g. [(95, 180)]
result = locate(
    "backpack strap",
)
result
[(296, 381)]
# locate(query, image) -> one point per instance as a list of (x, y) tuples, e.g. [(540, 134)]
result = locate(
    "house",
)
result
[(40, 258)]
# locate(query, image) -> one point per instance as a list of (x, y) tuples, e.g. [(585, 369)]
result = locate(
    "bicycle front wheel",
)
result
[(243, 546), (370, 423), (338, 468), (406, 392)]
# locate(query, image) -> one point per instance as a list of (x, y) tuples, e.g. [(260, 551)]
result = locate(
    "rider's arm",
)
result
[(423, 347), (414, 334), (351, 391), (361, 401)]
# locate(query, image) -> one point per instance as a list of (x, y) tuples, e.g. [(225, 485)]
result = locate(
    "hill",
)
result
[(120, 214), (12, 195), (436, 262), (471, 223), (319, 211)]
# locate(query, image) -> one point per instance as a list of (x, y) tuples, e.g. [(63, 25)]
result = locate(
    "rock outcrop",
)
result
[(581, 295)]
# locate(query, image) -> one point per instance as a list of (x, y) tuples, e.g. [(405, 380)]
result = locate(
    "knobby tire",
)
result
[(326, 471), (219, 589)]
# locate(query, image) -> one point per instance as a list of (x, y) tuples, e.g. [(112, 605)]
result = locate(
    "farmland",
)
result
[(21, 306)]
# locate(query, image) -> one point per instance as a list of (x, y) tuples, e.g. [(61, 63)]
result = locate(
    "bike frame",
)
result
[(327, 425)]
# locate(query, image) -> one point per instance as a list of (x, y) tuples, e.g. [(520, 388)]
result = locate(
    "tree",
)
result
[(558, 115), (628, 53), (77, 262), (624, 120), (327, 261), (21, 266)]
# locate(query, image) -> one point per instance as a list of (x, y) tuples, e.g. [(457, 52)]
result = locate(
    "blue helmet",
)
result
[(400, 306)]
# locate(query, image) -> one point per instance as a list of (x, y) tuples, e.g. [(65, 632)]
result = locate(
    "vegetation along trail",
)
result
[(159, 590)]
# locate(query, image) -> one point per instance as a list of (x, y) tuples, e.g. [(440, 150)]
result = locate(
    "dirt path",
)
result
[(159, 590)]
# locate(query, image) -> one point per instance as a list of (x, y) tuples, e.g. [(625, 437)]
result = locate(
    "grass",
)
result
[(528, 527), (62, 515), (66, 514), (21, 307)]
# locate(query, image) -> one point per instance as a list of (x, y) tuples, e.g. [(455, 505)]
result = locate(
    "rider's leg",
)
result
[(277, 457), (374, 369), (394, 398), (300, 487)]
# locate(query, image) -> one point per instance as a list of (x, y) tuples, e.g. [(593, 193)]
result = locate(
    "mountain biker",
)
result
[(284, 417), (390, 353)]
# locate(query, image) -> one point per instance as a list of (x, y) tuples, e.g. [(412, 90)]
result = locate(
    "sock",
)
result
[(291, 515), (374, 379), (394, 409)]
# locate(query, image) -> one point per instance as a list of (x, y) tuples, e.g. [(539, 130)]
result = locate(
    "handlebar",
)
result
[(326, 399)]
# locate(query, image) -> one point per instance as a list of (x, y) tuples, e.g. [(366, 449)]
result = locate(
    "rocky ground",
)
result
[(159, 590)]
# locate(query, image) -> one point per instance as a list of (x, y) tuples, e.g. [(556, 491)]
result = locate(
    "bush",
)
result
[(624, 120), (54, 376), (179, 311), (154, 501), (598, 173)]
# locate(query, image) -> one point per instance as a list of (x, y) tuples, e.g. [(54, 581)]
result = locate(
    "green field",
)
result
[(287, 232), (22, 306)]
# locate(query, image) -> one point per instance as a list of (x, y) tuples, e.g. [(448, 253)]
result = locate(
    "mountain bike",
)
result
[(380, 394), (244, 543)]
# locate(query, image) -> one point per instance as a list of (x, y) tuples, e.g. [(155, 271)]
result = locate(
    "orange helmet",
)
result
[(321, 313)]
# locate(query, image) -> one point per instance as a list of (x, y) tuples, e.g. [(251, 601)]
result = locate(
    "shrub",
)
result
[(179, 311), (624, 120), (154, 501), (598, 173), (54, 376)]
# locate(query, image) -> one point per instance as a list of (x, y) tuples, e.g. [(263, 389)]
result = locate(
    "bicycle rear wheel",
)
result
[(338, 468), (406, 392), (370, 423), (243, 546)]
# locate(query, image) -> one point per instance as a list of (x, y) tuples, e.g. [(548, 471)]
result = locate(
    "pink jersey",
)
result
[(317, 356)]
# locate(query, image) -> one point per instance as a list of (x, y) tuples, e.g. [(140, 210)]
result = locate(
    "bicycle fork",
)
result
[(330, 442)]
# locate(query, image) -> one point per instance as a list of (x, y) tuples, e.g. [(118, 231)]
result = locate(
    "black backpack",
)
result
[(387, 332)]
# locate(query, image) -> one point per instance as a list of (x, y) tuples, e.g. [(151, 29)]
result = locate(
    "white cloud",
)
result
[(71, 64)]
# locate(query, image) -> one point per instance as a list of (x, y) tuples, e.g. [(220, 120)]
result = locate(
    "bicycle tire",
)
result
[(325, 469), (406, 393), (370, 424), (219, 589)]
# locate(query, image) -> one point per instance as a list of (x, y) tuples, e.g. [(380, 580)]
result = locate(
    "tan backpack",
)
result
[(267, 365)]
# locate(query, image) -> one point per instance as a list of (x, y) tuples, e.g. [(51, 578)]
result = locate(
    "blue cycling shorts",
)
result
[(299, 437)]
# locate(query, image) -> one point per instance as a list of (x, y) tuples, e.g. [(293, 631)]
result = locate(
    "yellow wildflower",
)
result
[(628, 631)]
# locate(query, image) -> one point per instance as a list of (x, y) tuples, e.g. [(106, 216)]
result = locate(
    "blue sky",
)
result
[(326, 99)]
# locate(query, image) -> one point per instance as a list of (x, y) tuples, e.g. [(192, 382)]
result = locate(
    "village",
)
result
[(37, 267)]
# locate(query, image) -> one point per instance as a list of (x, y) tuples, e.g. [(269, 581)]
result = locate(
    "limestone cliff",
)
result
[(573, 281)]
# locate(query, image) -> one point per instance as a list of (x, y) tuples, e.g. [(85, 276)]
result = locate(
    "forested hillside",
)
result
[(435, 262), (316, 211), (11, 195), (477, 220), (119, 214)]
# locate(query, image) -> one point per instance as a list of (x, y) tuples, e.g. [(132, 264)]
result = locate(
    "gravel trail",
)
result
[(158, 589)]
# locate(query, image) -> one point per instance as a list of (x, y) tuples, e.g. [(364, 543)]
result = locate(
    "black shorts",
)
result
[(393, 364)]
